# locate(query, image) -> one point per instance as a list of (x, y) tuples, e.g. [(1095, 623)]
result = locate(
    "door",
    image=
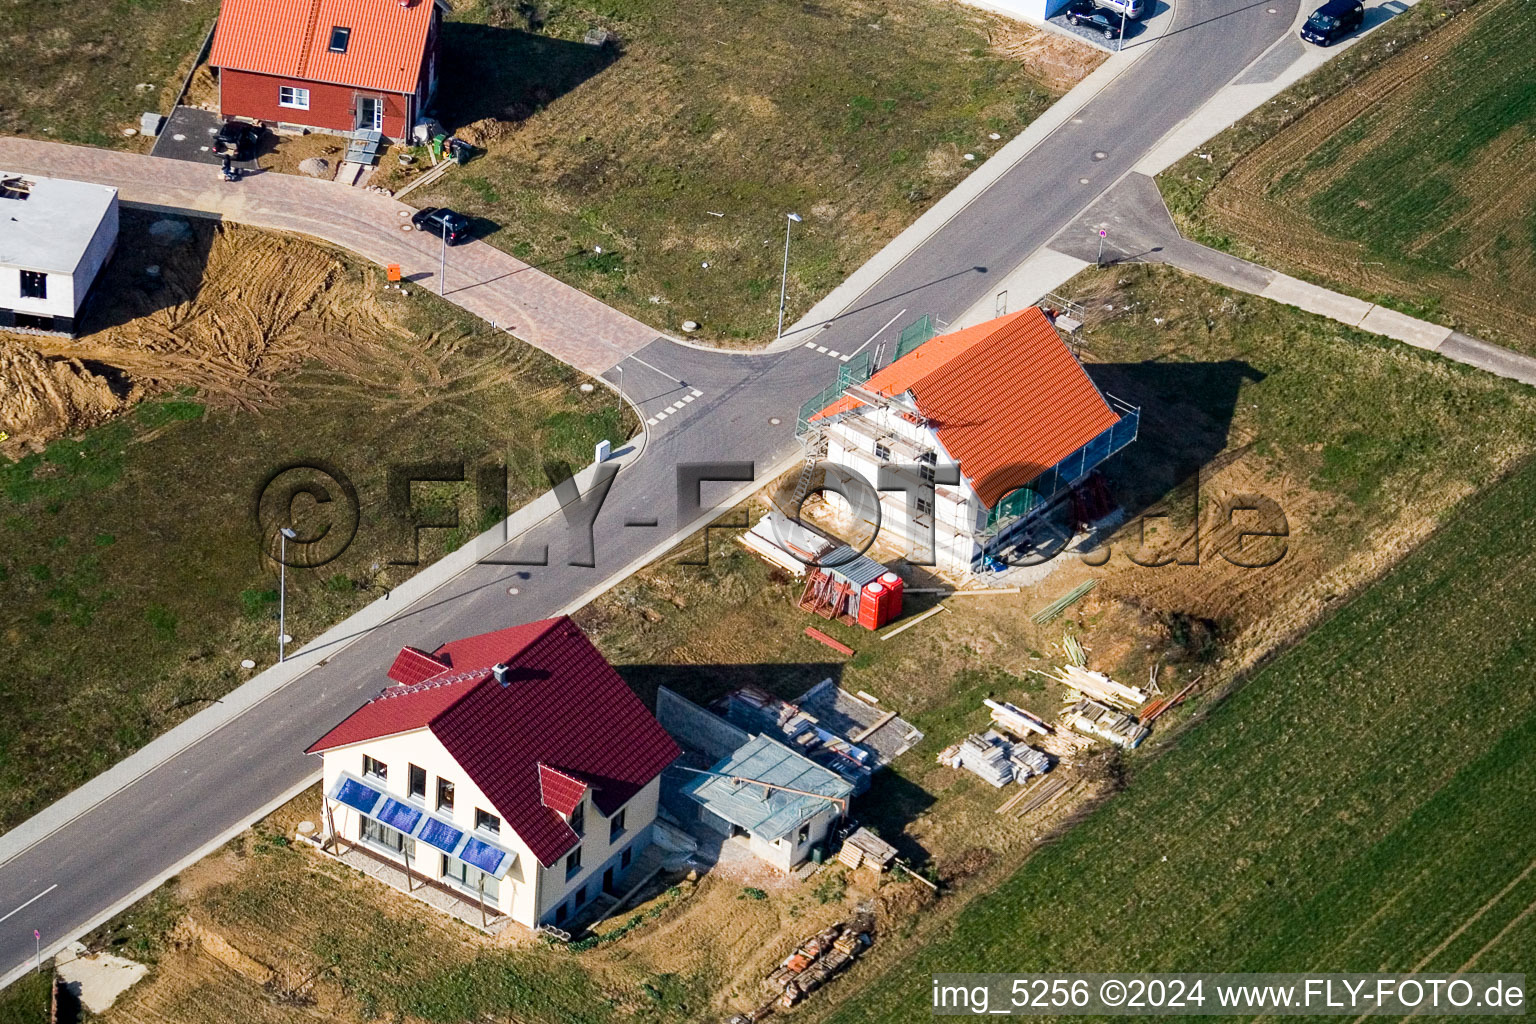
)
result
[(370, 113), (608, 880)]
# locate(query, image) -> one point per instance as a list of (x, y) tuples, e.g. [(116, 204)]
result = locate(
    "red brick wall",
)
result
[(254, 96)]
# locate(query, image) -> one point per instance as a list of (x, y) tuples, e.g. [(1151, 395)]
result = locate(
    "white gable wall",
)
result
[(530, 892), (518, 896), (957, 513)]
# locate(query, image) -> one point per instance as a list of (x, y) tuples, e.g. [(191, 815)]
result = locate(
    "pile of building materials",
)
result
[(1016, 720), (816, 961), (1097, 686), (759, 711), (995, 759), (1156, 708), (865, 849), (791, 546), (1095, 719)]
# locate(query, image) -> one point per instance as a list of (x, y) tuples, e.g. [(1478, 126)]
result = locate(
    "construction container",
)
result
[(895, 587), (872, 603)]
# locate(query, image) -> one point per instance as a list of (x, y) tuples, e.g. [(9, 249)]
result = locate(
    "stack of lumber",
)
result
[(1061, 604), (1099, 687), (1016, 720), (1154, 709), (1095, 719), (995, 759), (865, 849), (816, 961)]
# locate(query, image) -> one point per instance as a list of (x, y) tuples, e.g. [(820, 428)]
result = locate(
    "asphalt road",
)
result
[(64, 882)]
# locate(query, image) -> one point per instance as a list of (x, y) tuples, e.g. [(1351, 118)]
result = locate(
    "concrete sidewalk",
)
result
[(568, 324), (1142, 230)]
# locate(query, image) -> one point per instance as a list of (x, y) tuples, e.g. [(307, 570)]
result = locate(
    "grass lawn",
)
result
[(26, 1000), (1350, 808), (74, 69), (680, 153), (1397, 175), (1368, 446), (130, 561)]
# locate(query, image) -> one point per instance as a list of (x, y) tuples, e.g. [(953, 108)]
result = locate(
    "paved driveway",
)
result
[(188, 135)]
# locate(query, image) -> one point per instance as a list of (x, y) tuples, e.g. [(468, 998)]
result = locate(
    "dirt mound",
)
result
[(44, 397)]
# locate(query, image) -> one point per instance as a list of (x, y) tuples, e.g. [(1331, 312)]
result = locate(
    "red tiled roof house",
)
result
[(514, 769), (1006, 401), (333, 65)]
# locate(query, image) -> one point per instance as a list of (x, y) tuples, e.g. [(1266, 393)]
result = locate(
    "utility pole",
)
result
[(790, 218), (284, 536)]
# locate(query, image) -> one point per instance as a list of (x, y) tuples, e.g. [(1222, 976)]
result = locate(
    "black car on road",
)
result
[(1333, 21), (237, 140), (453, 227), (1086, 12)]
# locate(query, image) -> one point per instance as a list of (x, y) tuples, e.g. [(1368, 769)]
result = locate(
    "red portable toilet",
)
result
[(894, 589), (872, 605)]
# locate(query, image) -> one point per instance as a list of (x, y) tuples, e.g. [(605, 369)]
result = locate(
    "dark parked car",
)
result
[(237, 140), (1086, 12), (1333, 21), (453, 227)]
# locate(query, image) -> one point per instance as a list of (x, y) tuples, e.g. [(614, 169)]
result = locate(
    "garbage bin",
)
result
[(459, 150)]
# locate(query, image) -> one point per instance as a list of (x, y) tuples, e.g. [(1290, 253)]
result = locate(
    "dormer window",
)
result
[(339, 37)]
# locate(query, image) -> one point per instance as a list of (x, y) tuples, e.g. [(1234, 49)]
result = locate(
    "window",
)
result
[(581, 897), (339, 36), (805, 833), (882, 452), (444, 795), (467, 876), (418, 782), (34, 284), (924, 505), (579, 819), (925, 464), (616, 826), (487, 821), (627, 857), (375, 768), (379, 834), (573, 862), (293, 96), (561, 913)]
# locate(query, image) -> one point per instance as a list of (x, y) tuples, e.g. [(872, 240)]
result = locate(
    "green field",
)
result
[(1363, 803), (74, 70), (1400, 175), (682, 155)]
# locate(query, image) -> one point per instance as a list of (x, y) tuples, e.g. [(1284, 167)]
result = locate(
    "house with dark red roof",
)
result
[(333, 65), (514, 769), (996, 424)]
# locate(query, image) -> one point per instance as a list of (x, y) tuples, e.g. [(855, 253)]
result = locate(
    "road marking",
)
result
[(834, 353), (845, 359), (697, 393), (648, 366), (810, 344), (651, 422), (877, 334), (661, 415), (29, 902), (689, 398), (822, 349)]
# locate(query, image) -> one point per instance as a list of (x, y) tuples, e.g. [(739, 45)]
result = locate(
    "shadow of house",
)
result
[(1187, 410), (704, 684), (508, 74), (159, 263)]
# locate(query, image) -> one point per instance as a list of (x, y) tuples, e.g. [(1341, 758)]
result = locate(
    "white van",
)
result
[(1130, 8)]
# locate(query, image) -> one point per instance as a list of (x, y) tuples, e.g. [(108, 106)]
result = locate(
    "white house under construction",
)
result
[(1006, 401)]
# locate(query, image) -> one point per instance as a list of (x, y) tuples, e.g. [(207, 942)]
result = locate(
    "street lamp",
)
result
[(790, 218), (285, 534), (1125, 6), (442, 260)]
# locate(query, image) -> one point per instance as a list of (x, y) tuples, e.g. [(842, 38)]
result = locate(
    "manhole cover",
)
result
[(1082, 181), (1100, 155)]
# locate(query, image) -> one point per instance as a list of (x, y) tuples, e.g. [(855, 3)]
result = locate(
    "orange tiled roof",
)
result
[(291, 38), (1006, 397)]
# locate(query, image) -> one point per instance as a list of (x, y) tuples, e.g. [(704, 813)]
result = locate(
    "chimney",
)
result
[(503, 673)]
